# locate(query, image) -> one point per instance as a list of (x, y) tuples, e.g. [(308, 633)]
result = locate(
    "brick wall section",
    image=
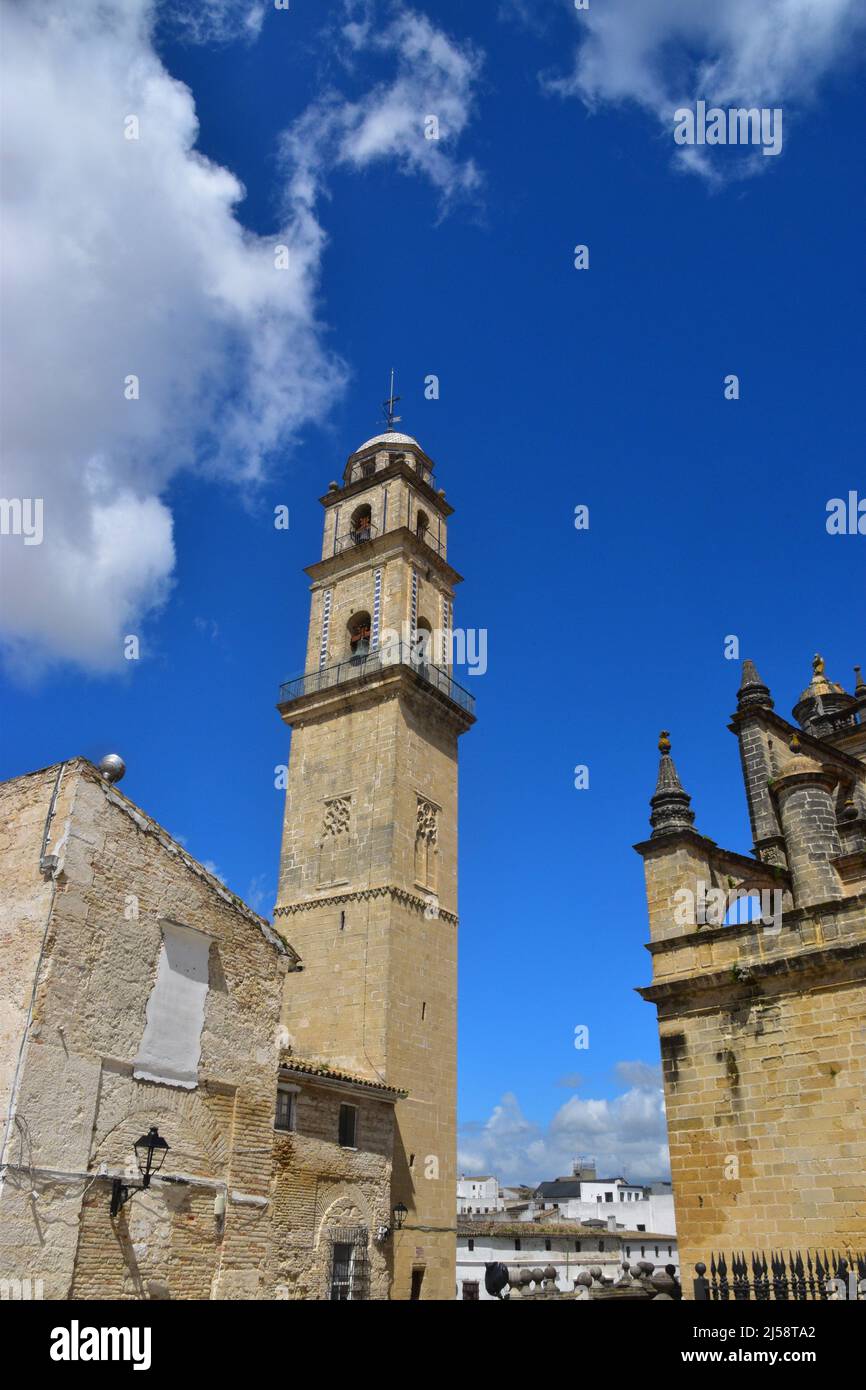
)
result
[(318, 1186)]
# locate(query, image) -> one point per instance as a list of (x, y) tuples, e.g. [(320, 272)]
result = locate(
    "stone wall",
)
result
[(118, 881)]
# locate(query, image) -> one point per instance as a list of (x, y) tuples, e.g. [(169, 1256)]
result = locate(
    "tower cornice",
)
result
[(397, 469), (400, 541), (357, 895)]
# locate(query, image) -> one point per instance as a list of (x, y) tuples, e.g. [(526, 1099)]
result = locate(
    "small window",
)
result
[(348, 1126), (601, 1245), (423, 1010), (577, 1247), (608, 1196), (472, 1245), (342, 921), (470, 1290), (628, 1252), (547, 1245), (285, 1115), (642, 1228), (517, 1245), (670, 1250), (643, 1250)]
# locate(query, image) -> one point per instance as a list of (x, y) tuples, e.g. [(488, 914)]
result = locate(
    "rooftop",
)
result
[(570, 1230), (306, 1066)]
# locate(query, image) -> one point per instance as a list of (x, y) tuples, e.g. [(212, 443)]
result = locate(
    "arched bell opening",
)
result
[(362, 524), (423, 645), (358, 628)]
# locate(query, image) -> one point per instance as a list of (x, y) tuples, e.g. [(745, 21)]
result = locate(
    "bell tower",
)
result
[(368, 871)]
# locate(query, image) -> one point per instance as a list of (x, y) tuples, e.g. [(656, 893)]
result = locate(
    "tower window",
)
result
[(284, 1118), (342, 921), (422, 525), (426, 844), (423, 1010), (348, 1126)]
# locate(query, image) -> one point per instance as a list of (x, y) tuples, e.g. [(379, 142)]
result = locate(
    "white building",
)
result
[(569, 1250), (585, 1198), (478, 1195)]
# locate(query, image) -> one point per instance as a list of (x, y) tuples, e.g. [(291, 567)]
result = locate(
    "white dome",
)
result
[(392, 437)]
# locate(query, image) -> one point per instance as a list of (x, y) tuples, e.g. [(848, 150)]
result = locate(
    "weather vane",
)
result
[(388, 406)]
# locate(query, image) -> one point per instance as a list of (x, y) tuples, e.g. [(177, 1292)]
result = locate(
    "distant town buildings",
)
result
[(479, 1195), (570, 1224)]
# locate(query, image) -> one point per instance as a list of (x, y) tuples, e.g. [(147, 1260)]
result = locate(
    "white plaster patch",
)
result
[(171, 1046)]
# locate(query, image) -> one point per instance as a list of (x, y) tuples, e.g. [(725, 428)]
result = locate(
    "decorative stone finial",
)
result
[(670, 803), (753, 693), (860, 685)]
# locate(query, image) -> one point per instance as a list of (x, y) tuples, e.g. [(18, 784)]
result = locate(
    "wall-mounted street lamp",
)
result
[(150, 1152), (400, 1213)]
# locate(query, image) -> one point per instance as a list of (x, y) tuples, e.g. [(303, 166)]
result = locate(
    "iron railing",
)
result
[(369, 664), (427, 538), (357, 536), (780, 1279)]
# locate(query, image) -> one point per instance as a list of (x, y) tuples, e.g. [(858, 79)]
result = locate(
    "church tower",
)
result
[(368, 870)]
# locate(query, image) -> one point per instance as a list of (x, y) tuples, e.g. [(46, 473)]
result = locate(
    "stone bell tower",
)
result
[(368, 873)]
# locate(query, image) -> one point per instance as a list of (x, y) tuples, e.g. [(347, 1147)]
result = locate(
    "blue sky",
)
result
[(558, 387)]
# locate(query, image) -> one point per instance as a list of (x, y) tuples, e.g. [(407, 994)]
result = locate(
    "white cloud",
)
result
[(216, 21), (665, 54), (126, 257), (626, 1135), (435, 77)]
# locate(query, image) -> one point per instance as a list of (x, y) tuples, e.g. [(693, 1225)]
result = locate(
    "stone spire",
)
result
[(753, 694), (860, 687), (670, 803)]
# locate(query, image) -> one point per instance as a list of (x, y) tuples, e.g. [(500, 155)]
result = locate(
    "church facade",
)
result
[(759, 979)]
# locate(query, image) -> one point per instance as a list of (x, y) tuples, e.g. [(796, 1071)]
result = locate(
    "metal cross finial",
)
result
[(388, 406)]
